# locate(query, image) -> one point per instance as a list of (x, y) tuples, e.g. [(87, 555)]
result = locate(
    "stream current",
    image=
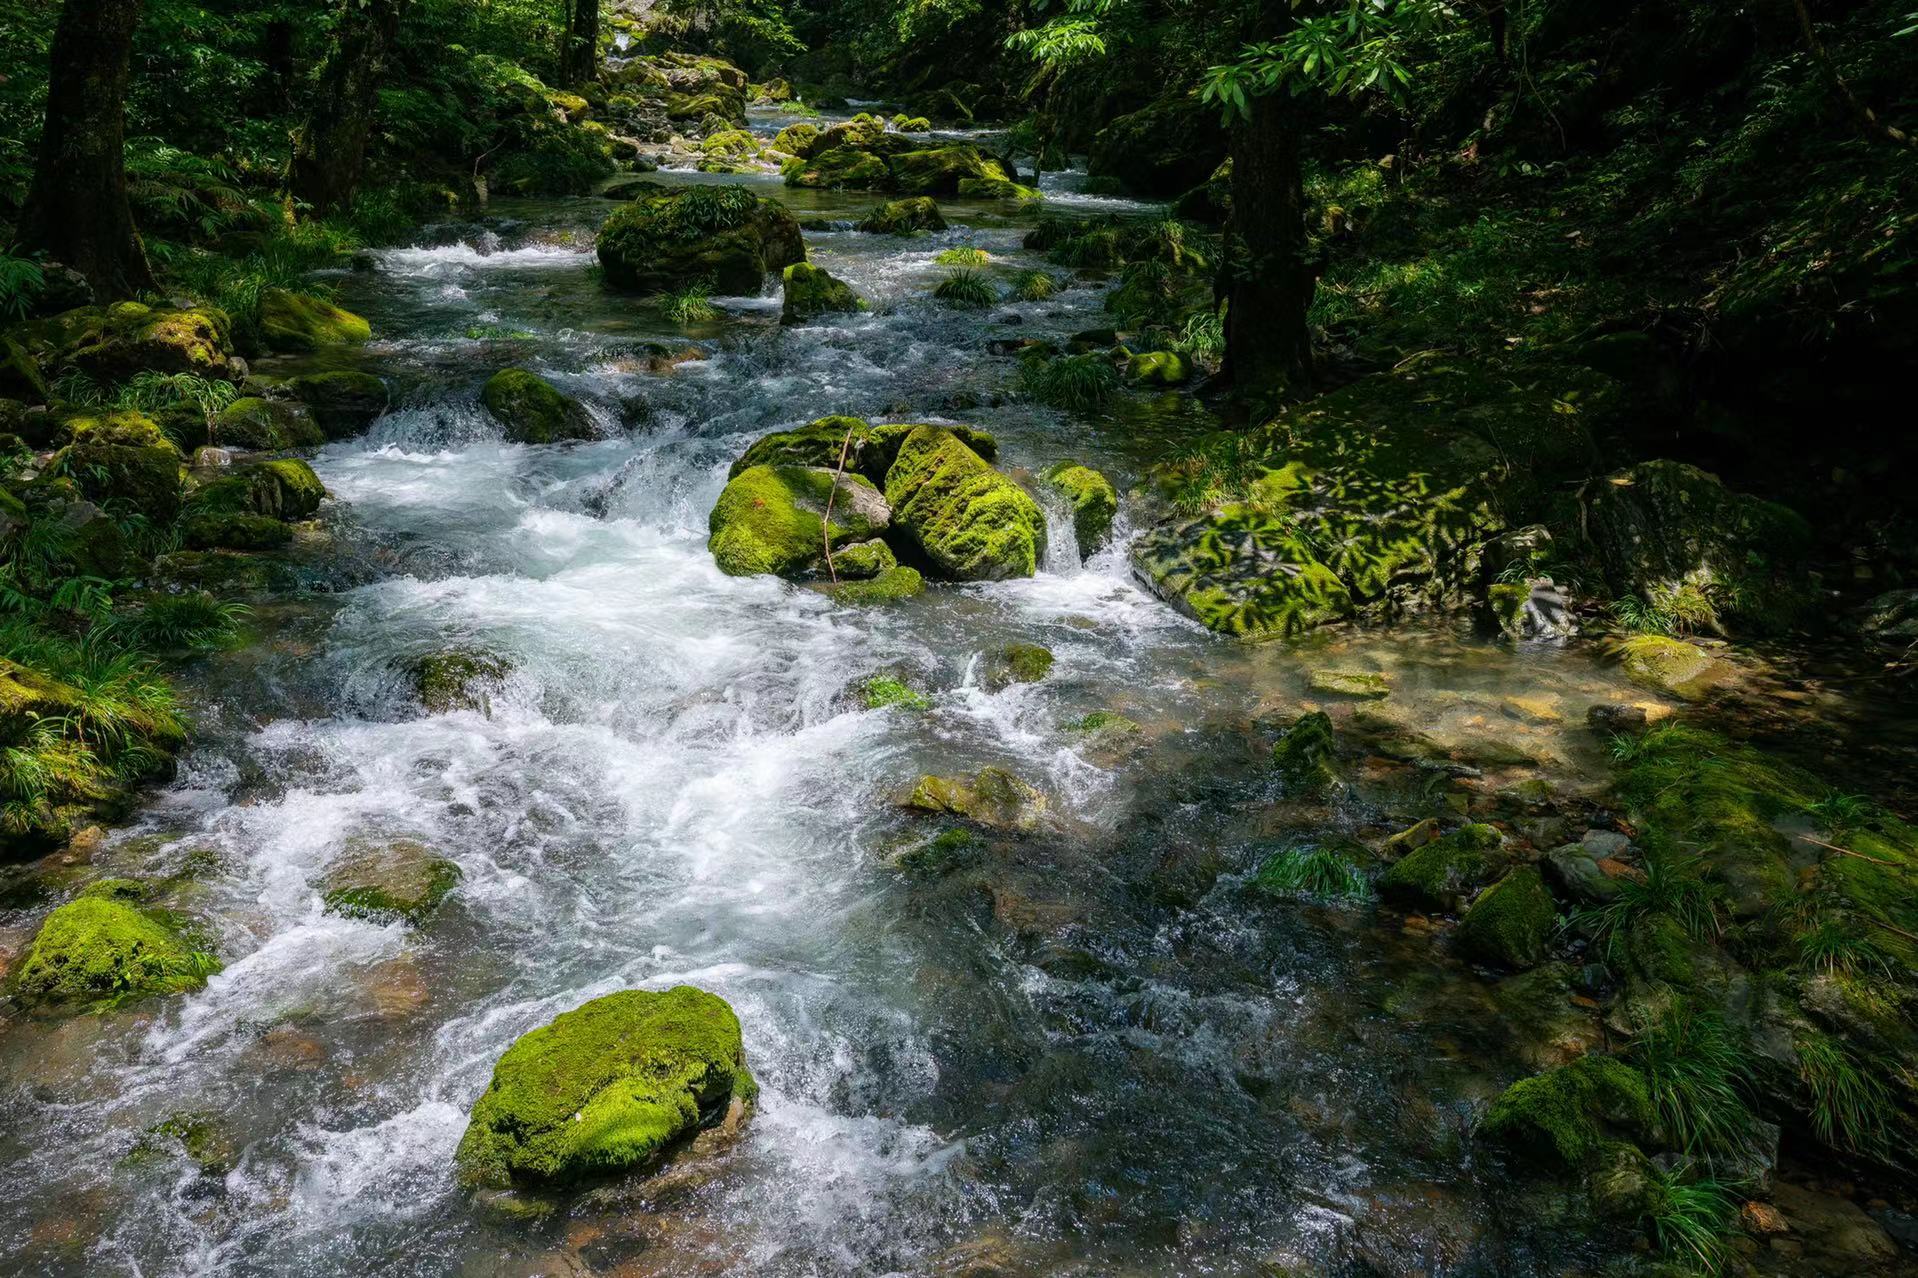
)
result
[(1095, 1050)]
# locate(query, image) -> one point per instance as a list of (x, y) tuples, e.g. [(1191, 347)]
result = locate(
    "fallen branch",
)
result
[(1848, 852), (825, 530)]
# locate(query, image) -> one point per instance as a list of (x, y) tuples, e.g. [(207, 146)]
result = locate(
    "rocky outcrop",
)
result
[(905, 217), (112, 343), (970, 521), (383, 881), (532, 410), (724, 236), (772, 519), (104, 950)]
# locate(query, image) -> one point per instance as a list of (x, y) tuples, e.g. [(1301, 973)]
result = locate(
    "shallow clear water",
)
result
[(1091, 1051)]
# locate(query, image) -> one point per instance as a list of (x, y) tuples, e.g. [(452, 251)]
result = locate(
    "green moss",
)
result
[(1365, 685), (1159, 368), (970, 521), (994, 798), (722, 237), (266, 425), (343, 401), (1304, 754), (397, 880), (1028, 662), (888, 587), (298, 491), (606, 1088), (457, 679), (1105, 722), (298, 322), (123, 460), (1564, 1116), (1510, 921), (940, 170), (736, 143), (973, 188), (771, 519), (905, 217), (234, 532), (196, 1133), (942, 852), (1438, 874), (841, 168), (795, 139), (1670, 665), (881, 691), (532, 410), (811, 291), (1093, 499), (99, 951)]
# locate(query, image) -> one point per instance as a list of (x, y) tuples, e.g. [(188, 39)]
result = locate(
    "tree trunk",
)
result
[(329, 156), (579, 52), (1267, 348), (77, 210)]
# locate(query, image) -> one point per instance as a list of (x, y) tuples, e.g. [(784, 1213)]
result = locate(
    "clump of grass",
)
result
[(1672, 887), (21, 280), (1221, 470), (1851, 1105), (701, 210), (1699, 1076), (1034, 286), (965, 255), (1077, 383), (1202, 336), (1676, 611), (1315, 871), (1838, 813), (1692, 1218), (1833, 943), (689, 305), (968, 290), (194, 621)]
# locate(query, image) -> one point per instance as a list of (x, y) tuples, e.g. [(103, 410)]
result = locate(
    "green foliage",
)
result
[(1076, 383), (1312, 871), (964, 255), (1672, 887), (193, 621), (689, 305), (1851, 1106), (20, 282), (702, 210), (881, 691), (1034, 286), (1699, 1075), (1692, 1219), (1676, 610), (968, 290), (1203, 335)]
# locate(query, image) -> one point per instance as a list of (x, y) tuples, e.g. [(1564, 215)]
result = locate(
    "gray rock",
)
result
[(1604, 843), (1574, 870)]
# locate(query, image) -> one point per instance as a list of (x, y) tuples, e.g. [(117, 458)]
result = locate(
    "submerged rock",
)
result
[(722, 236), (532, 410), (1438, 875), (1364, 685), (292, 321), (1015, 663), (101, 951), (1510, 921), (610, 1087), (972, 522), (905, 217), (772, 519), (1303, 755), (995, 799), (384, 881), (344, 402), (811, 291), (1670, 665), (457, 679), (1093, 499)]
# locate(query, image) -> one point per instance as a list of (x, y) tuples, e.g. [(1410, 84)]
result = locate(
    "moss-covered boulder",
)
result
[(1304, 755), (292, 321), (998, 189), (1159, 368), (267, 425), (532, 410), (1163, 150), (112, 343), (613, 1086), (994, 798), (1015, 663), (905, 217), (1669, 665), (123, 461), (970, 521), (343, 402), (723, 236), (100, 951), (940, 170), (20, 376), (1094, 502), (812, 291), (772, 519), (867, 449), (795, 139), (1567, 1116), (1438, 875), (233, 530), (282, 489), (840, 169), (457, 679), (1241, 571), (381, 882), (864, 559), (1511, 921), (890, 586)]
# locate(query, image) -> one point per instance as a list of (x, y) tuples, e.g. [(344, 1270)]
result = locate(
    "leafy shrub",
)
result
[(20, 282)]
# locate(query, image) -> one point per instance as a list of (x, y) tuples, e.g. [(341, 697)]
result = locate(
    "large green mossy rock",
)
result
[(994, 798), (1374, 500), (890, 586), (344, 402), (1438, 875), (610, 1087), (905, 217), (724, 237), (292, 321), (940, 170), (532, 410), (1094, 502), (100, 951), (772, 519), (812, 291), (1669, 665), (124, 461), (1511, 921), (840, 169), (381, 882), (970, 521), (795, 139), (267, 425), (284, 488), (1567, 1116), (867, 449), (1164, 150), (1663, 525), (973, 188), (112, 343)]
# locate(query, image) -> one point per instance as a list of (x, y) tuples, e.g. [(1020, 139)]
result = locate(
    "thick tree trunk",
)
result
[(1267, 348), (329, 156), (579, 52), (77, 210)]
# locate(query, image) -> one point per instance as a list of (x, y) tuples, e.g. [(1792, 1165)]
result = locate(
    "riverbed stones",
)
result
[(994, 798), (772, 519), (1093, 499), (722, 236), (613, 1086), (532, 410), (382, 881), (102, 950), (812, 291), (296, 322), (1510, 922), (1670, 665), (1359, 685), (1438, 875), (970, 521), (112, 343)]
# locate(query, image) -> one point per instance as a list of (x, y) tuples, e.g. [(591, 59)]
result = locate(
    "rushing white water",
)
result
[(672, 786)]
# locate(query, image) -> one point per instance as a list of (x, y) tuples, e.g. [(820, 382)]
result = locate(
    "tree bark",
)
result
[(329, 156), (77, 210), (1268, 350), (579, 52)]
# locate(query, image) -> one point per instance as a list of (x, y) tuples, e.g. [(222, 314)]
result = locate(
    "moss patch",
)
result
[(973, 523), (532, 410), (1093, 499), (1438, 874), (99, 951), (1510, 921), (1564, 1116), (299, 322), (771, 519)]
